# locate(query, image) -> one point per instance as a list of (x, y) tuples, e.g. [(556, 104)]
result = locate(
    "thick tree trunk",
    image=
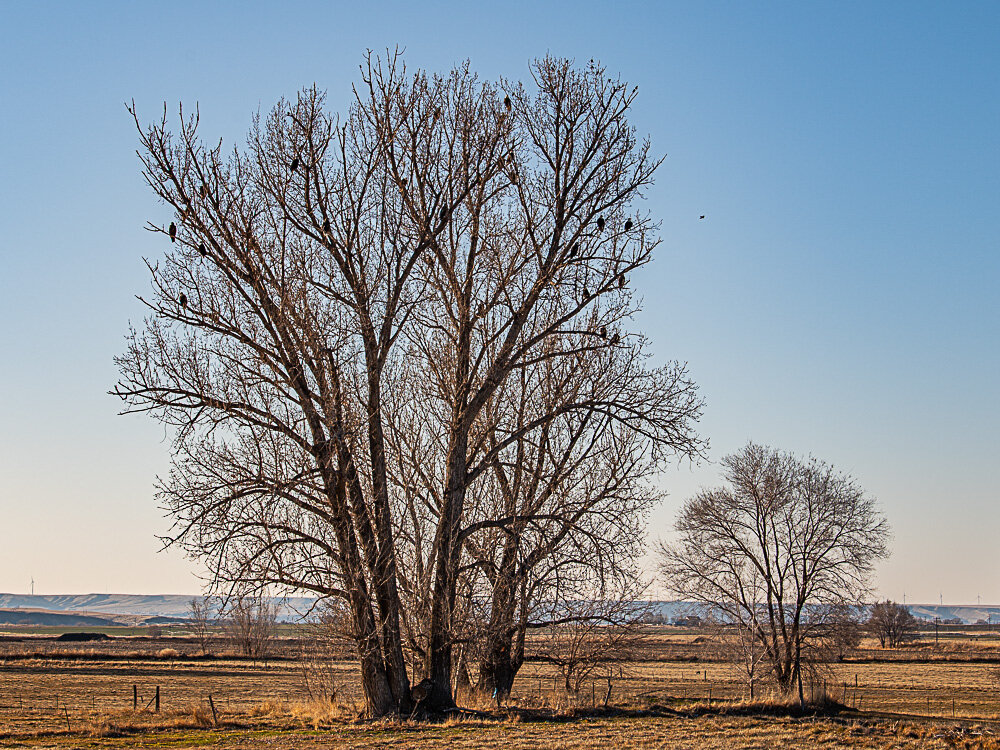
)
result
[(498, 667), (379, 698), (446, 577), (498, 670), (384, 577)]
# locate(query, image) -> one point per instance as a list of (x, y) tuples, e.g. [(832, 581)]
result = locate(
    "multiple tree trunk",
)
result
[(395, 351)]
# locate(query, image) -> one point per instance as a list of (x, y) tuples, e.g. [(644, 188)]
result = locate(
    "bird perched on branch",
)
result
[(628, 225), (326, 226), (604, 332), (203, 190), (507, 103), (202, 249), (295, 163), (621, 281), (615, 339), (173, 232), (444, 215), (574, 250), (600, 223), (184, 300)]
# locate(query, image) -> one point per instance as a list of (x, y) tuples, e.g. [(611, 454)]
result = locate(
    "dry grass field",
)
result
[(679, 694)]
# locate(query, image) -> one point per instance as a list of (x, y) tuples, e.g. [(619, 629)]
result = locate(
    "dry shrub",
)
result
[(321, 714), (269, 707), (117, 724), (168, 653)]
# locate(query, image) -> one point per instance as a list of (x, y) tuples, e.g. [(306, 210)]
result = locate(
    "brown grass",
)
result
[(77, 697)]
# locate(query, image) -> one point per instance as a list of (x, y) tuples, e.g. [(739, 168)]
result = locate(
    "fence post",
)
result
[(215, 716), (135, 697), (157, 699)]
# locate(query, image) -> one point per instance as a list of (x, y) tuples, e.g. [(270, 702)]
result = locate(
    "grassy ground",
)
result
[(81, 695), (709, 732)]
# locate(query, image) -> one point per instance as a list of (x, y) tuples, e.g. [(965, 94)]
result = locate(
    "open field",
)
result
[(81, 695)]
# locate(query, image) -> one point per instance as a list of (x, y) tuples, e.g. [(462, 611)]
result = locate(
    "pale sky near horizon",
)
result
[(839, 299)]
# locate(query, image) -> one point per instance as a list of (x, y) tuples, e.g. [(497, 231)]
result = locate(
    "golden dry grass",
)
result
[(80, 699)]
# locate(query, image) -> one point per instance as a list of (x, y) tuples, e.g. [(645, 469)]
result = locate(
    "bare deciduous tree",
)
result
[(778, 552), (590, 633), (351, 312), (892, 624), (251, 623), (202, 619)]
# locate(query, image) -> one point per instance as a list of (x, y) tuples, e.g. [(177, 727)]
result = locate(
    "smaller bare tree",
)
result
[(590, 635), (327, 647), (739, 646), (251, 625), (202, 622), (892, 624), (789, 545)]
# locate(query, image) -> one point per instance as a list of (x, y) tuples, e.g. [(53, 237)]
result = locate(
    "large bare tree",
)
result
[(777, 553), (351, 309)]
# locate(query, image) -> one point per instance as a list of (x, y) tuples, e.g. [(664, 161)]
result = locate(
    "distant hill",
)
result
[(55, 619), (967, 614), (136, 605), (130, 608)]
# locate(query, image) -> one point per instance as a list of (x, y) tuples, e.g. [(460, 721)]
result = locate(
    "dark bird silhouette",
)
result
[(628, 225), (615, 339), (600, 223), (604, 332), (621, 281), (326, 225), (586, 293), (574, 250), (295, 163), (444, 215), (702, 216), (507, 103), (184, 300), (173, 232), (203, 191), (202, 249)]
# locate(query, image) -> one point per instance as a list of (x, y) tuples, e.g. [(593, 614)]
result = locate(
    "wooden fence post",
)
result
[(157, 699), (135, 697)]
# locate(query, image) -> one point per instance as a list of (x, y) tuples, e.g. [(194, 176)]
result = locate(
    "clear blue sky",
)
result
[(839, 299)]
